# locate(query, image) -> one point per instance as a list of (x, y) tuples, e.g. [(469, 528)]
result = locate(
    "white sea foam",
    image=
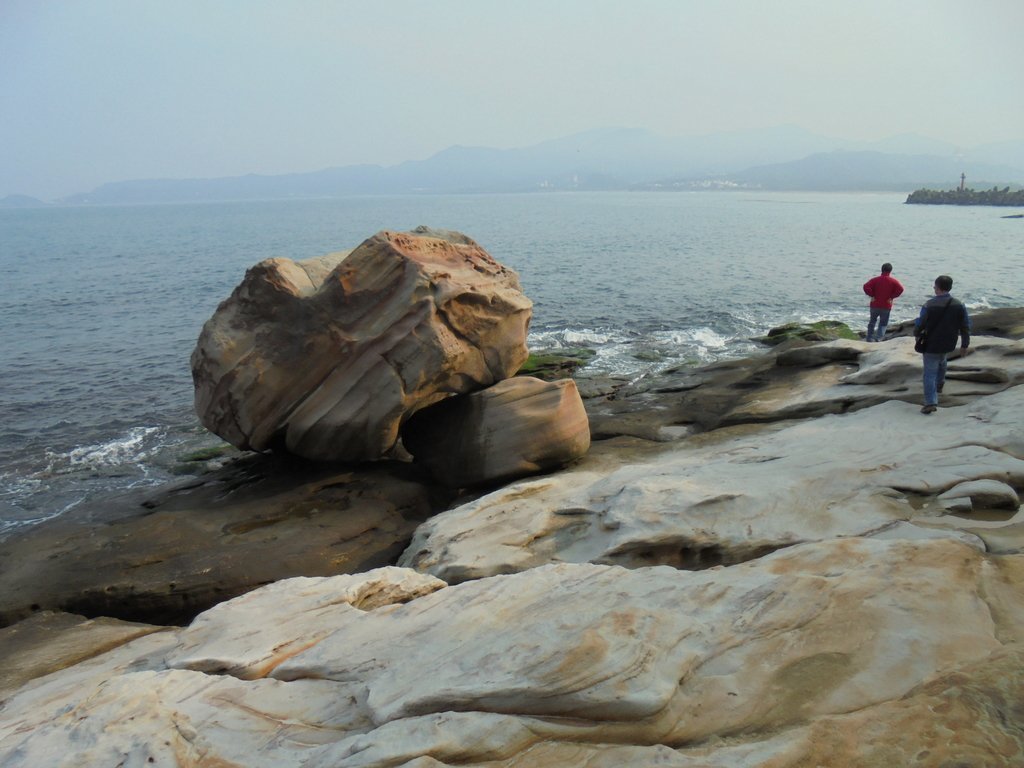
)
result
[(635, 354), (573, 337), (130, 448), (852, 318), (704, 337), (14, 486)]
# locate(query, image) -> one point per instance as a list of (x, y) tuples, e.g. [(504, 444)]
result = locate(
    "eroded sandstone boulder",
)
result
[(326, 358), (517, 427)]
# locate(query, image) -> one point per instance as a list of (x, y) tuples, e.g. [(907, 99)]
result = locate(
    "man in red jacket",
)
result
[(882, 290)]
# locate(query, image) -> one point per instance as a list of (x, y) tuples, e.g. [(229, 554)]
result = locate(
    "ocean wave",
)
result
[(133, 447), (55, 481), (562, 338), (12, 517), (702, 337), (633, 355)]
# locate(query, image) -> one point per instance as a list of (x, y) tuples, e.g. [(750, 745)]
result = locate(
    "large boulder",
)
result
[(326, 358), (518, 427)]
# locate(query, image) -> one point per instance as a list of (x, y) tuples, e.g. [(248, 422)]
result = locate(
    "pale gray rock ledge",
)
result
[(780, 661), (737, 494)]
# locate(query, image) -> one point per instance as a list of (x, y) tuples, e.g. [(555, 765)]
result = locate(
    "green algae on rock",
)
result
[(823, 330), (554, 364)]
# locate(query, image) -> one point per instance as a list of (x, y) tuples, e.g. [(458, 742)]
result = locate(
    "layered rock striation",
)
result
[(326, 358)]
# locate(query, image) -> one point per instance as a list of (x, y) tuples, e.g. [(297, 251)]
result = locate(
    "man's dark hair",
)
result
[(886, 268), (944, 282)]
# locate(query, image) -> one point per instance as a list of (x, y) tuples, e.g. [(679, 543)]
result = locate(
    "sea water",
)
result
[(101, 306)]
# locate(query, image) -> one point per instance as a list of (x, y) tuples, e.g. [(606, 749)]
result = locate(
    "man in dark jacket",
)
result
[(882, 289), (942, 320)]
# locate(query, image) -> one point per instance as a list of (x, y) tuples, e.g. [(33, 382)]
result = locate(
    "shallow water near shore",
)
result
[(102, 306)]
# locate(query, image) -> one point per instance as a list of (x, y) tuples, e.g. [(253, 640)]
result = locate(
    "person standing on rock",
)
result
[(942, 319), (882, 289)]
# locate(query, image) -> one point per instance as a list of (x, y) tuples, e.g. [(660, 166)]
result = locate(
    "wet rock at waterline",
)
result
[(162, 556)]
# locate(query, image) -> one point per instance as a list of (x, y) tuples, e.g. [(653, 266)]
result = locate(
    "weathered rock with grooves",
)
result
[(518, 427), (326, 358), (798, 380), (851, 652), (48, 642), (993, 494), (733, 495)]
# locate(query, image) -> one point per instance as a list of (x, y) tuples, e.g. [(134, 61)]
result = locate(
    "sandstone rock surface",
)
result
[(816, 575), (861, 649), (744, 481), (326, 358), (516, 427), (797, 380), (735, 494), (49, 642)]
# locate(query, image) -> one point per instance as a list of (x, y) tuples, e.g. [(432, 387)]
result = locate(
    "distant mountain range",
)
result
[(21, 201), (855, 171), (785, 158)]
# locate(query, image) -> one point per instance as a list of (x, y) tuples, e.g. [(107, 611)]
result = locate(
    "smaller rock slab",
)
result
[(49, 642), (992, 494), (517, 427)]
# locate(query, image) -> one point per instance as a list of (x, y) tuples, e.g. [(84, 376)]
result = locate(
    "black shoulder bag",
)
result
[(921, 337)]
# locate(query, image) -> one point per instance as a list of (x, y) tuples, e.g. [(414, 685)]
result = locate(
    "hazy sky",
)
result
[(105, 90)]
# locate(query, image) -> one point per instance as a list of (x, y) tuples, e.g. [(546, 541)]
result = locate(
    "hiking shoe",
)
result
[(929, 409)]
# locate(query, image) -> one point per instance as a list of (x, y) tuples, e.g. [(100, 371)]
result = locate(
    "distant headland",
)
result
[(965, 196)]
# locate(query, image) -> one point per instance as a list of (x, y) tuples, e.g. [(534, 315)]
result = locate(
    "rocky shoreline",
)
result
[(755, 562)]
